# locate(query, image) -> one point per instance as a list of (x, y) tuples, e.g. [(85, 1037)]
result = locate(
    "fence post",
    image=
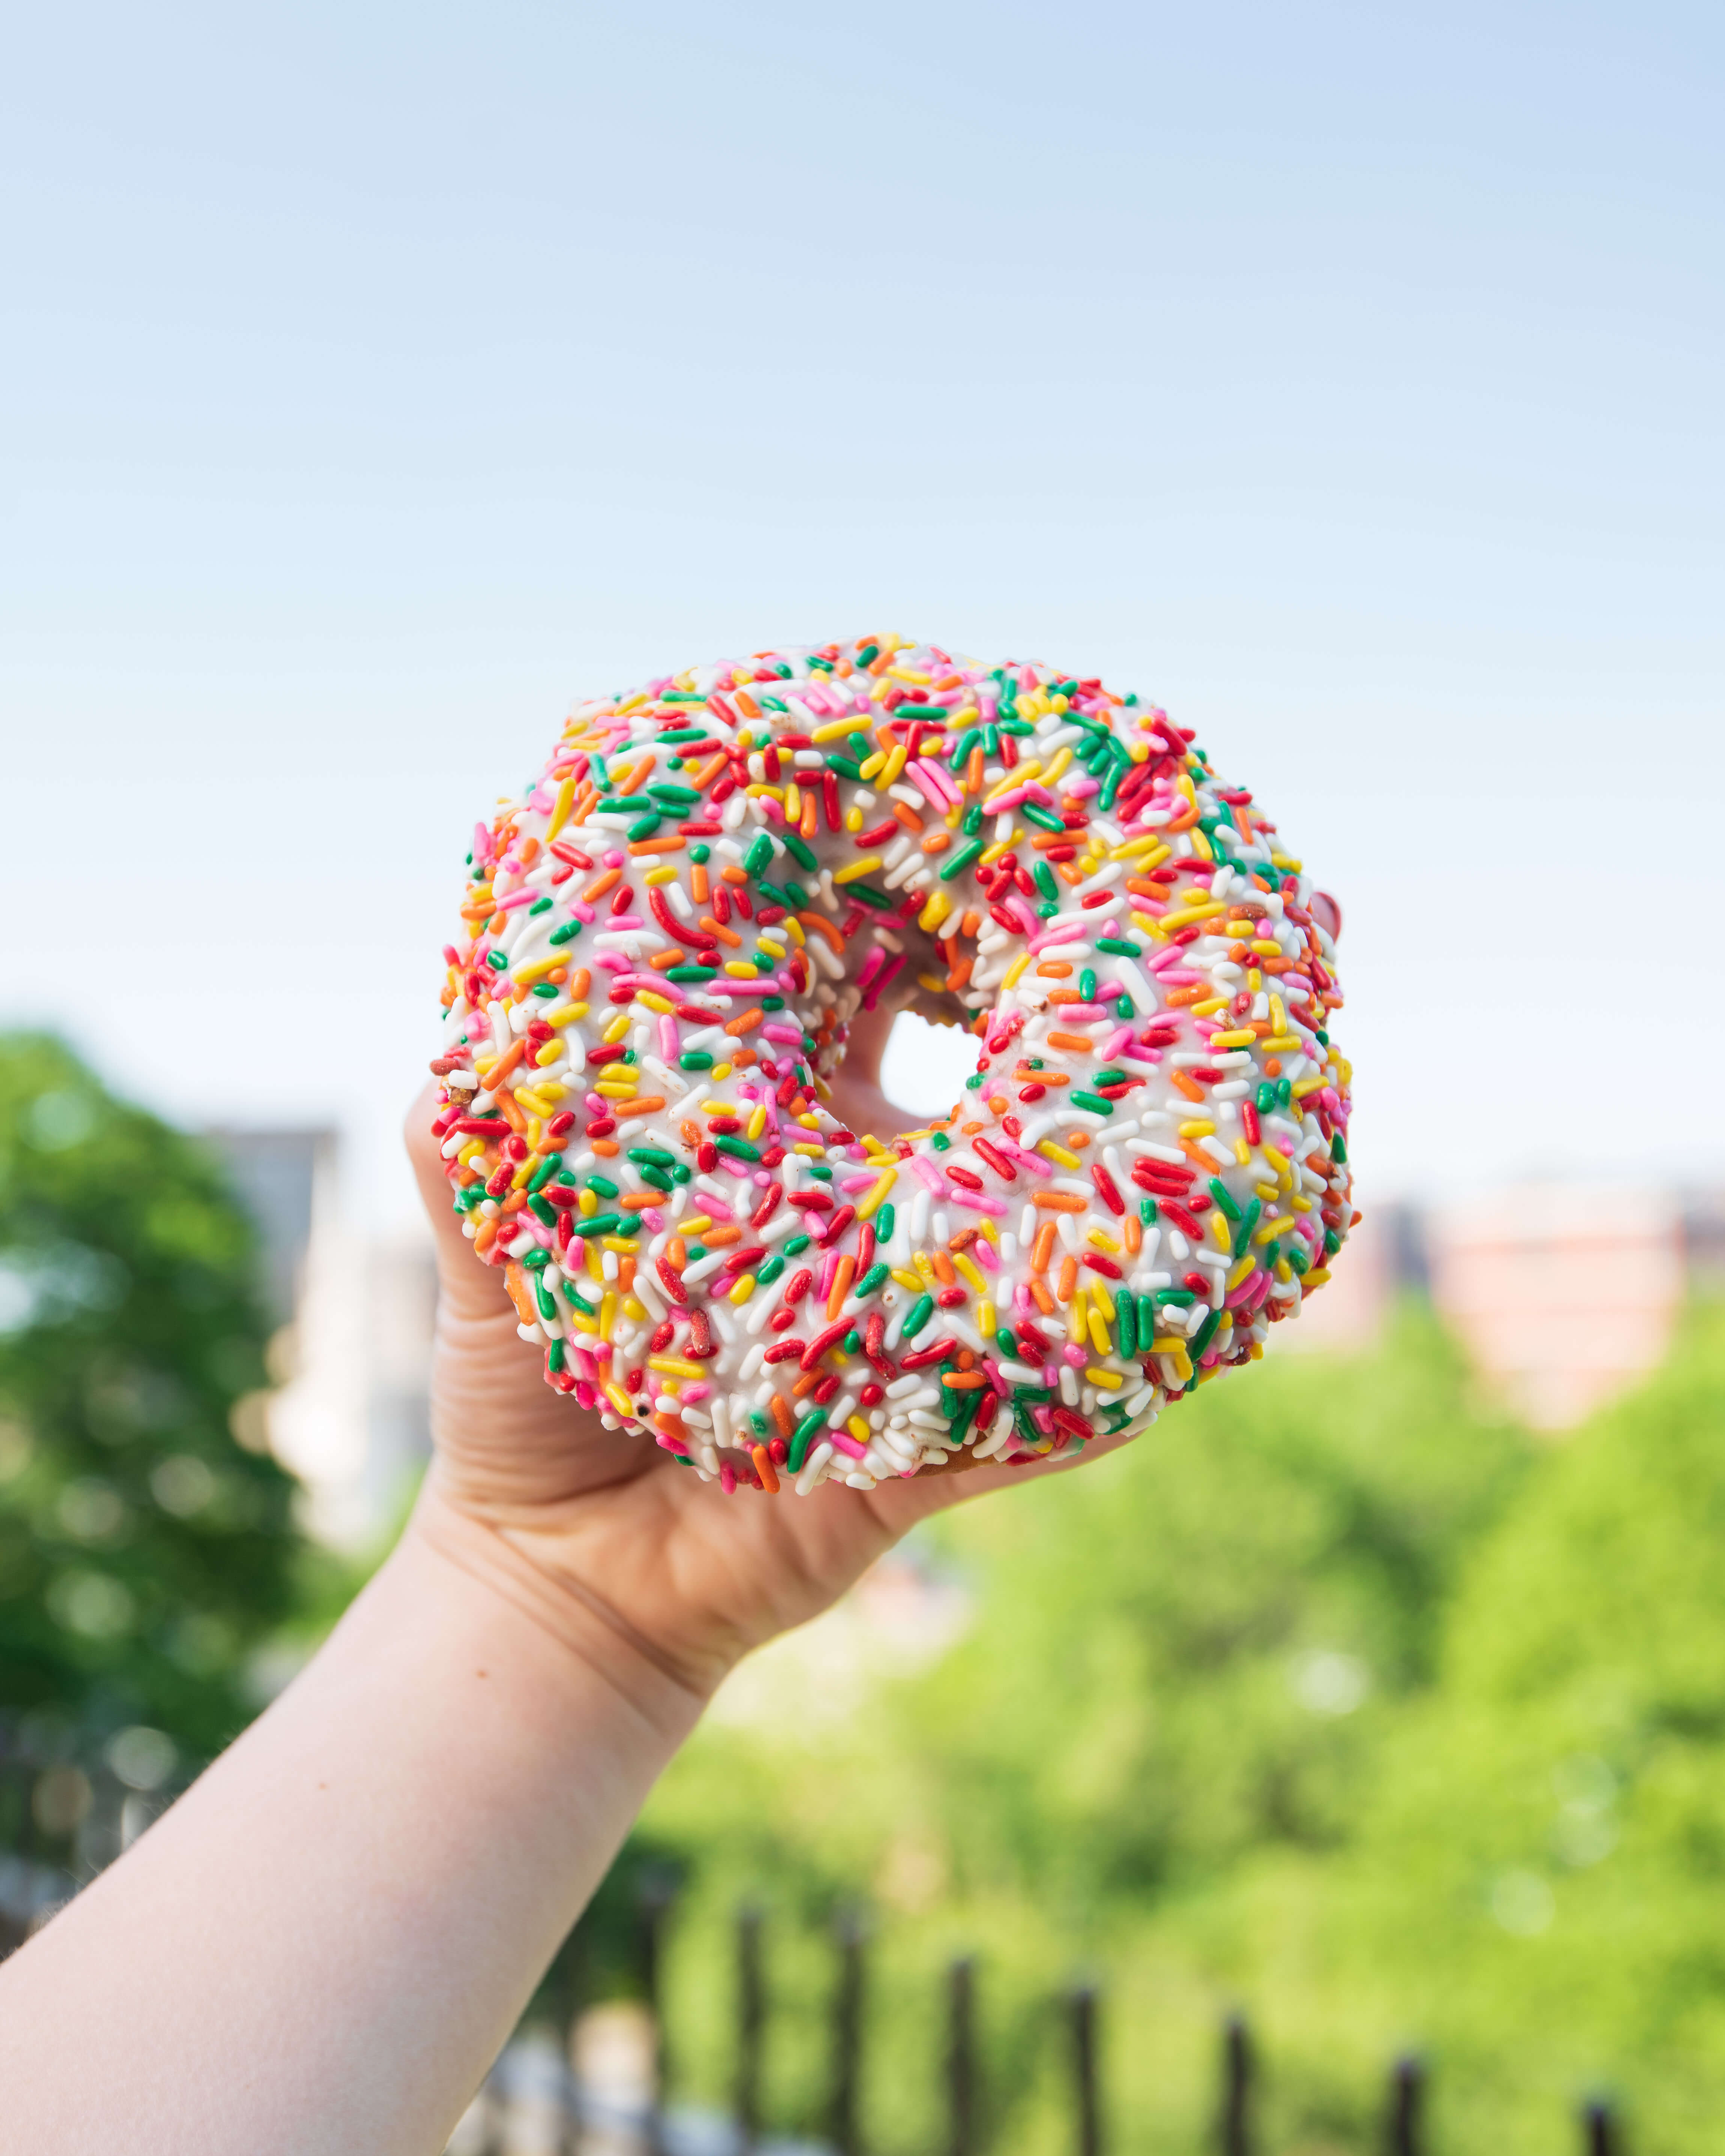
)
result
[(1599, 2134), (1083, 2004), (750, 2024), (1407, 2096), (1236, 2135), (961, 2057), (849, 2002)]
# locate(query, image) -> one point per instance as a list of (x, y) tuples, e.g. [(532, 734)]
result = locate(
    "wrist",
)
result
[(562, 1621)]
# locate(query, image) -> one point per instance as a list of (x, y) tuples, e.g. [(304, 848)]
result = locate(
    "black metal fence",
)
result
[(61, 1822)]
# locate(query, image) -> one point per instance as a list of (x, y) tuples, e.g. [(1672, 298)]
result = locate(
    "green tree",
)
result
[(143, 1552)]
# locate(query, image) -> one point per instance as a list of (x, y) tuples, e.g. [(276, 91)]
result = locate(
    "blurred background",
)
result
[(375, 382)]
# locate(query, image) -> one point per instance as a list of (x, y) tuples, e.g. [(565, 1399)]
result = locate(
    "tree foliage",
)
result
[(143, 1551)]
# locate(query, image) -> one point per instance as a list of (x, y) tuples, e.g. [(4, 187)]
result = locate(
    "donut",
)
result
[(664, 940)]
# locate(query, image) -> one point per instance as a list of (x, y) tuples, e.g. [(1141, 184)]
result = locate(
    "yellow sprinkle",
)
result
[(813, 1152), (620, 1243), (987, 1320), (587, 1204), (1098, 1334), (1078, 1318), (654, 1003), (1199, 1128), (991, 1232), (588, 1326), (619, 1399), (553, 1052), (853, 819), (660, 875), (1242, 1152), (1299, 1203), (1015, 970), (608, 1312), (1148, 846), (1150, 925), (1181, 913), (1224, 1239), (1209, 1006), (744, 1288), (1281, 1044), (1056, 764), (560, 814), (1268, 1192), (721, 1070), (764, 792), (613, 1090), (925, 1268), (1266, 1228), (932, 982), (939, 906), (990, 854), (1242, 1271), (757, 1121), (672, 1365), (1301, 1087), (1317, 1276), (859, 1429), (633, 1309), (895, 765), (911, 1280), (1051, 1150), (697, 1224), (527, 975), (561, 1014), (834, 731), (969, 1269), (877, 761), (1284, 1272), (1109, 1380), (793, 927), (1233, 1040), (1288, 861), (854, 871), (1100, 1240), (877, 1194), (1104, 1301), (739, 969), (614, 1032)]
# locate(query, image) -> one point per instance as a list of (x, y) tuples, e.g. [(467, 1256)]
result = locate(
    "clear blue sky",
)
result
[(374, 379)]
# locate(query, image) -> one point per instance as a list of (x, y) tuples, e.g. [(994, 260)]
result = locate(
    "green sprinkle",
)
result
[(845, 766), (702, 974), (872, 1279), (497, 959), (1119, 947), (1124, 1007), (539, 906), (794, 846), (1094, 1101), (1201, 1339), (643, 828), (1127, 1310), (885, 1222), (700, 853), (656, 1155), (566, 931), (659, 1177), (694, 1058), (770, 1271), (738, 1148), (1224, 1198), (972, 819), (603, 1184), (941, 1142), (547, 1212), (1338, 1151), (796, 1244), (1008, 1346), (546, 988), (1044, 819), (958, 862), (922, 1310), (1248, 1221), (675, 798), (1088, 985), (1044, 878), (1147, 1211), (543, 1174), (602, 1224), (877, 899), (759, 854)]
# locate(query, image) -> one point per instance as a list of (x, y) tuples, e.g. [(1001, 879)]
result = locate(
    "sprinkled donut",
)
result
[(664, 944)]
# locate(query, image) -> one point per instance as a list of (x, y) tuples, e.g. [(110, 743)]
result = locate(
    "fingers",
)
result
[(470, 1289)]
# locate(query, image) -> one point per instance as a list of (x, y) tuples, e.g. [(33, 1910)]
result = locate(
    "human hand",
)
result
[(690, 1577)]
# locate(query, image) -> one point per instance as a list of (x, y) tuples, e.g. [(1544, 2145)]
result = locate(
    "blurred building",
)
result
[(1563, 1294), (353, 1347)]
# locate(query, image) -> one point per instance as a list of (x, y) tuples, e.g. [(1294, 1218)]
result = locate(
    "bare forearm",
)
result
[(323, 1944)]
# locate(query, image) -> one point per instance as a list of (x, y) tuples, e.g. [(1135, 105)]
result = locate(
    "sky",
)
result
[(376, 381)]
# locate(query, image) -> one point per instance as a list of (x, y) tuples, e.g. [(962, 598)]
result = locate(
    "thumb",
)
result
[(468, 1289)]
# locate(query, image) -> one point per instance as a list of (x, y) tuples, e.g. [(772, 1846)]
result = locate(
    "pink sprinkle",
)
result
[(1116, 1041), (612, 859), (667, 1036), (842, 1441), (716, 1206), (1076, 1356), (1063, 931), (973, 1201), (985, 1254), (929, 1173), (791, 1035), (1164, 959)]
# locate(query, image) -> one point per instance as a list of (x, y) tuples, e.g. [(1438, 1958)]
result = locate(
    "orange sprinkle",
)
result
[(908, 817), (1042, 1250), (625, 1274), (1134, 1235), (606, 879), (964, 1381), (1076, 1140), (650, 1106), (841, 1285), (672, 845), (1069, 1279), (721, 1239), (943, 1270), (487, 1234), (806, 1384), (744, 1022), (764, 1468), (725, 935), (520, 1294), (1194, 1152), (1057, 1201), (972, 922), (638, 1201), (960, 975), (1182, 1084), (1074, 1043), (809, 826), (581, 983), (1041, 1297), (1054, 969), (530, 852), (661, 962), (822, 926), (1177, 997), (746, 703), (698, 882), (676, 1254), (636, 779), (703, 778), (937, 842), (608, 1147), (733, 876)]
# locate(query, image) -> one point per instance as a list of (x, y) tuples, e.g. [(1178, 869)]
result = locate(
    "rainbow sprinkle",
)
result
[(663, 945)]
